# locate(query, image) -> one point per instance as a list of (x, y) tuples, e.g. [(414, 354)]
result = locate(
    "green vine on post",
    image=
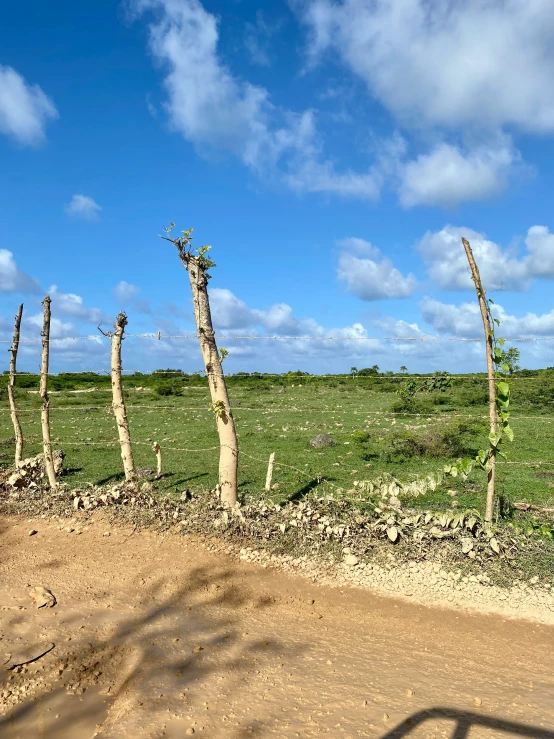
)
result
[(499, 394)]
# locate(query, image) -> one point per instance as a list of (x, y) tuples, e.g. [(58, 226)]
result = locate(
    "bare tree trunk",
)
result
[(493, 417), (118, 402), (197, 268), (11, 397), (45, 414), (158, 451), (269, 475), (228, 454)]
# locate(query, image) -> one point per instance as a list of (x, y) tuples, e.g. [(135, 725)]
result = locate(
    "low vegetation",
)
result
[(375, 447)]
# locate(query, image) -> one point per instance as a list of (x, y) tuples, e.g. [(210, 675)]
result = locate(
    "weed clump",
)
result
[(454, 439)]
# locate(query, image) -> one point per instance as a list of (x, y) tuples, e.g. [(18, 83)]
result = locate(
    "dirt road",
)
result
[(156, 637)]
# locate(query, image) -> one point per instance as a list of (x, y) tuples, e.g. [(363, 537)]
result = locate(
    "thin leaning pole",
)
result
[(11, 387), (489, 348)]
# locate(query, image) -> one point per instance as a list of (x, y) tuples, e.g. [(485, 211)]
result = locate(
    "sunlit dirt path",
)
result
[(156, 637)]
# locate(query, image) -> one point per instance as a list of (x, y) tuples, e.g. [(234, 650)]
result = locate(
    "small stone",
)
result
[(477, 702), (409, 692), (385, 717), (189, 731), (32, 532), (534, 580), (106, 533), (42, 597), (322, 440), (351, 560)]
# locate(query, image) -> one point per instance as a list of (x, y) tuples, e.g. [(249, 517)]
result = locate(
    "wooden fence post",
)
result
[(269, 475), (11, 385), (118, 401), (197, 266), (45, 413), (493, 417), (156, 448)]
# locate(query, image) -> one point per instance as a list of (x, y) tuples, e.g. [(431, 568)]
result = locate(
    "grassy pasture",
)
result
[(281, 415)]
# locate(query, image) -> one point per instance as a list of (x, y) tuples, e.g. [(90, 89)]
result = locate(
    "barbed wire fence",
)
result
[(299, 379)]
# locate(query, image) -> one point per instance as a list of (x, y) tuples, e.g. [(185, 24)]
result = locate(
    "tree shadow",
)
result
[(150, 666), (305, 490), (464, 721), (116, 477), (68, 471), (189, 478)]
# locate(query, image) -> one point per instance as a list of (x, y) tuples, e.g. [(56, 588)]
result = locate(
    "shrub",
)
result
[(27, 381), (472, 396), (412, 405), (455, 439), (167, 388)]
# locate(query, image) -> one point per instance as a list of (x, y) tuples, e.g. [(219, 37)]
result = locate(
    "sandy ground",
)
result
[(157, 637)]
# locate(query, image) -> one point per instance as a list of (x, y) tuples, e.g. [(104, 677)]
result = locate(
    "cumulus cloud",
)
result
[(370, 276), (313, 176), (230, 312), (13, 279), (257, 37), (500, 268), (451, 64), (82, 206), (206, 103), (470, 71), (58, 329), (71, 305), (540, 244), (24, 109), (125, 291), (465, 320), (128, 295), (398, 328), (448, 176), (214, 109)]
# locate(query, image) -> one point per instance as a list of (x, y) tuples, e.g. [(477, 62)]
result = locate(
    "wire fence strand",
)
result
[(234, 337)]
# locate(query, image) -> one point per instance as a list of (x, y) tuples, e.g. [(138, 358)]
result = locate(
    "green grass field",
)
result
[(282, 417)]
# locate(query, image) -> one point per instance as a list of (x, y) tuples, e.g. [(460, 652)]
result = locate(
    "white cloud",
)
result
[(369, 275), (450, 72), (24, 109), (82, 206), (230, 312), (540, 244), (465, 320), (206, 103), (212, 108), (430, 63), (127, 294), (125, 291), (314, 176), (71, 305), (58, 328), (448, 176), (398, 328), (11, 278), (500, 268), (256, 39)]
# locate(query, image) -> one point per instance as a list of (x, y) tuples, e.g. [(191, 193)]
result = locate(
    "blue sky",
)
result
[(332, 153)]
